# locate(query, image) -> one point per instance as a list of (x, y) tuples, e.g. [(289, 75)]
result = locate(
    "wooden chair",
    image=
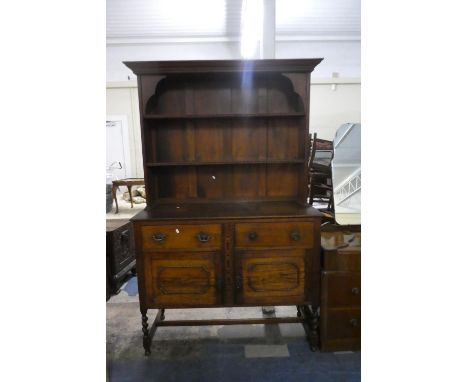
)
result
[(320, 173)]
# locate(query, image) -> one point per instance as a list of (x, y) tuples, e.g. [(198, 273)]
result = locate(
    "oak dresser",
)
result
[(225, 151)]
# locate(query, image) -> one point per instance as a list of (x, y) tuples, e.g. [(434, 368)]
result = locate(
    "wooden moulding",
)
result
[(223, 66)]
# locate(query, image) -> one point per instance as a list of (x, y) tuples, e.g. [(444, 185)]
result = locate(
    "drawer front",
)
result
[(198, 237), (341, 289), (183, 279), (340, 324), (342, 260), (288, 234)]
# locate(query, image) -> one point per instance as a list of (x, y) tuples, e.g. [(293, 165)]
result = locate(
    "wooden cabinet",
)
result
[(225, 150), (340, 308), (120, 253)]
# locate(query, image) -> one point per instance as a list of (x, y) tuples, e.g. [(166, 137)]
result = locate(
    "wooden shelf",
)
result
[(202, 163), (225, 116)]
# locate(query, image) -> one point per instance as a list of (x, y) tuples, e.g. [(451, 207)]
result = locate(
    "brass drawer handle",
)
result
[(355, 291), (295, 235), (253, 235), (159, 237), (203, 237), (354, 322)]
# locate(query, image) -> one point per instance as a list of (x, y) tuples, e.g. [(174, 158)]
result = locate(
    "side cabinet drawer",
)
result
[(341, 289), (203, 237), (288, 234), (341, 324), (342, 260)]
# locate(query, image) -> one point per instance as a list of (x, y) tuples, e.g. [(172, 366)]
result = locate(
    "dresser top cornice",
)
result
[(223, 66)]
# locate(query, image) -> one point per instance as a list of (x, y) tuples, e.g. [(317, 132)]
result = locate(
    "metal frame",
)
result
[(348, 187)]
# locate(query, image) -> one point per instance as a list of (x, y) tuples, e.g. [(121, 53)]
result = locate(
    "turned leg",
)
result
[(299, 314), (114, 195), (146, 336), (314, 331), (130, 195), (162, 314), (310, 325)]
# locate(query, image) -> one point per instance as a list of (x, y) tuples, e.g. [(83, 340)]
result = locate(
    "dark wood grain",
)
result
[(190, 278), (184, 210), (224, 66), (120, 252), (281, 234), (180, 237), (270, 277)]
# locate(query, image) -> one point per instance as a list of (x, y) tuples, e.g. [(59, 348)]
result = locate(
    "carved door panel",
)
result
[(271, 277), (183, 279)]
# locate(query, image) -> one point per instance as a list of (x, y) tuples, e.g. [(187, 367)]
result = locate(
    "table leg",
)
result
[(130, 194), (114, 195)]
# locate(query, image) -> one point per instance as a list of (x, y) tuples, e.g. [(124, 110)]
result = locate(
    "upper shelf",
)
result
[(208, 116)]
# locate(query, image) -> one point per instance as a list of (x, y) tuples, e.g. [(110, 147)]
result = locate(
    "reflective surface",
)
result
[(346, 172)]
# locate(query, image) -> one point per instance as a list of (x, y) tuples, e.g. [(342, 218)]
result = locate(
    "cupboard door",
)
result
[(270, 277), (183, 279)]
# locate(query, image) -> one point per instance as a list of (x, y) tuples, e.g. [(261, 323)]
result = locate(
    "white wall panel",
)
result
[(124, 101), (329, 108), (318, 19), (342, 57), (116, 71)]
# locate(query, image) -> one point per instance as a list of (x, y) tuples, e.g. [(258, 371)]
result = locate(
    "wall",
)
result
[(122, 99), (334, 102), (342, 57), (329, 109)]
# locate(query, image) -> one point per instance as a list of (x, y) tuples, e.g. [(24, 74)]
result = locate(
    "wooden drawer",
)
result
[(341, 289), (342, 260), (340, 324), (193, 237), (288, 234)]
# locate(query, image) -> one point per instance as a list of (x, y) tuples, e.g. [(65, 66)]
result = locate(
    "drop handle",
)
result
[(159, 237), (203, 237), (355, 291), (354, 322), (295, 235), (253, 235)]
